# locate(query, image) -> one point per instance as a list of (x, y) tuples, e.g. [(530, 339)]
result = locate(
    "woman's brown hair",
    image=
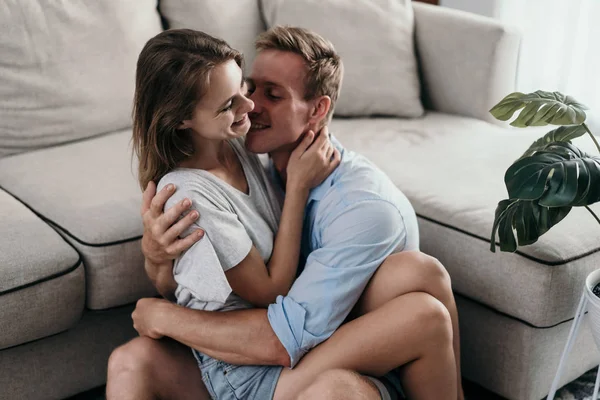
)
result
[(172, 75)]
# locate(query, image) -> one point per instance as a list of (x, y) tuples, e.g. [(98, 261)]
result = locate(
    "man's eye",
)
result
[(249, 90), (272, 96)]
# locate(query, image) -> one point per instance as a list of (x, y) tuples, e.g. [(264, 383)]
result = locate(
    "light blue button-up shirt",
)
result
[(353, 221)]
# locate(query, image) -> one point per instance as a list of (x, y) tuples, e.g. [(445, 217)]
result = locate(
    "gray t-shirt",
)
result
[(233, 221)]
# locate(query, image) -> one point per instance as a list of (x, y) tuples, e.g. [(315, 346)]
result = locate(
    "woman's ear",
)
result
[(184, 124), (320, 110)]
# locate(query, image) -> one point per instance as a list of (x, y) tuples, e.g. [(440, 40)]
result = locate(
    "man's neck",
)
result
[(280, 160)]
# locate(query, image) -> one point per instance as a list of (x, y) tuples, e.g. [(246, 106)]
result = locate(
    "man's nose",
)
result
[(257, 103)]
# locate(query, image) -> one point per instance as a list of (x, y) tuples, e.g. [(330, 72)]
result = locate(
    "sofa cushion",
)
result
[(68, 68), (41, 277), (374, 39), (236, 21), (452, 170), (88, 191)]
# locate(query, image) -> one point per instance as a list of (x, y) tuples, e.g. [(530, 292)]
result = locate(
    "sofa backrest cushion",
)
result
[(67, 68), (238, 22), (374, 39)]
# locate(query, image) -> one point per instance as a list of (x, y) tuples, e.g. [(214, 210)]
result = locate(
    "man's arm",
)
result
[(353, 245), (222, 335), (242, 337), (161, 276)]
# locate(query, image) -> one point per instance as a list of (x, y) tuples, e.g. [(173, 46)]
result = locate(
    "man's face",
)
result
[(280, 115)]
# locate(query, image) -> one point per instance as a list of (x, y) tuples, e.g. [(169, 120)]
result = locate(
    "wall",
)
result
[(482, 7)]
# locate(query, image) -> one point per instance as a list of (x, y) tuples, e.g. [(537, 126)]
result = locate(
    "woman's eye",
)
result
[(229, 107)]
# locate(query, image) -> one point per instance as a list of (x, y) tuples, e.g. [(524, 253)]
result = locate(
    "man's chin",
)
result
[(255, 146)]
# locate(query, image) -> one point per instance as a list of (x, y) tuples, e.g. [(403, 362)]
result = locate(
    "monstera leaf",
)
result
[(540, 108), (560, 134), (559, 175), (525, 217)]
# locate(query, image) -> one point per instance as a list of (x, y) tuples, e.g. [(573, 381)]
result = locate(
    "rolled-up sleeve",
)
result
[(353, 244)]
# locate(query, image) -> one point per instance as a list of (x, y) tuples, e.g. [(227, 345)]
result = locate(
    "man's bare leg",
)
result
[(340, 384), (413, 330), (407, 272), (145, 369)]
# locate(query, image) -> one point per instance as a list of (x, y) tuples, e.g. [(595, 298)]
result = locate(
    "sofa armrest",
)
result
[(468, 62)]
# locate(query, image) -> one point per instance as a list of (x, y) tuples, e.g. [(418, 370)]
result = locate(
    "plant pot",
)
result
[(593, 305)]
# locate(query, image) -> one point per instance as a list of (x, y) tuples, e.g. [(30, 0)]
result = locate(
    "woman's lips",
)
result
[(241, 121)]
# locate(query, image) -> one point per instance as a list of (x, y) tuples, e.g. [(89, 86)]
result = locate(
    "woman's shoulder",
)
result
[(196, 185)]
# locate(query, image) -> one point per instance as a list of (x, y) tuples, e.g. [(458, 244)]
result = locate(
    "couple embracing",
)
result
[(301, 279)]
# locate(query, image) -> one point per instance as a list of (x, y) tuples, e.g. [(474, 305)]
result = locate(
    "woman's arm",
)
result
[(309, 165)]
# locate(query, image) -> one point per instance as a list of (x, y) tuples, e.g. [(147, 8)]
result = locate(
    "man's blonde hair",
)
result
[(325, 68)]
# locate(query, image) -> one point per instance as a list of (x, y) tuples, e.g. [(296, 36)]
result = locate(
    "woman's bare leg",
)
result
[(412, 330), (413, 271), (145, 369)]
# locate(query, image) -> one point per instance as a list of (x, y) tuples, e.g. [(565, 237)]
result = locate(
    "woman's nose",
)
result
[(249, 105)]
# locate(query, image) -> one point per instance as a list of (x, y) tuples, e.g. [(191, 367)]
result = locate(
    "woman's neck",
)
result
[(209, 155)]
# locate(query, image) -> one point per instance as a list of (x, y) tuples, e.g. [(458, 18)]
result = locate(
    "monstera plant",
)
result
[(552, 176)]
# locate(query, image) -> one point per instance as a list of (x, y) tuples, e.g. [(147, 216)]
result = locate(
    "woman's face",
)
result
[(222, 113)]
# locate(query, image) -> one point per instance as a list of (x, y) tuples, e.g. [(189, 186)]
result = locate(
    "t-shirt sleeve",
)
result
[(201, 268)]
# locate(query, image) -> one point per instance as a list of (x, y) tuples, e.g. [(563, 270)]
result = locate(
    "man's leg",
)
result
[(413, 330), (408, 272), (146, 368), (341, 384)]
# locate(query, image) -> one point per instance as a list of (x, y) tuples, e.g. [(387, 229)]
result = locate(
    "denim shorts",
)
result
[(237, 382)]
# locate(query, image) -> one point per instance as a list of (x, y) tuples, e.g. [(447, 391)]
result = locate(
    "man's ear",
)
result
[(321, 108)]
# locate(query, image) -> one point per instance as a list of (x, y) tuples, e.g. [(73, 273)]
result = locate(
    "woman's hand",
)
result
[(312, 161)]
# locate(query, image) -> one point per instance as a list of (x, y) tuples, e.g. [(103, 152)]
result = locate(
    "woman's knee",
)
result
[(433, 319), (435, 276)]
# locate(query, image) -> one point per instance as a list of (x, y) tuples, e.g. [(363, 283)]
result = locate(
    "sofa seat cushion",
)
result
[(88, 191), (452, 169), (42, 286)]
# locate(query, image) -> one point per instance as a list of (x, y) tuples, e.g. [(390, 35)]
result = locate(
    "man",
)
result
[(359, 242)]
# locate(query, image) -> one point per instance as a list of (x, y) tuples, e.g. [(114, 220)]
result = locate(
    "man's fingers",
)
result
[(149, 193), (182, 245), (170, 217), (158, 202), (178, 228)]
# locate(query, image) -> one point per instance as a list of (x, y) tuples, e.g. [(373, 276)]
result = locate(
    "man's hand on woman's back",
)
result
[(161, 243)]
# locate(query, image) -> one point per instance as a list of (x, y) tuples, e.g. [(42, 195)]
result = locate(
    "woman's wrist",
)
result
[(298, 189)]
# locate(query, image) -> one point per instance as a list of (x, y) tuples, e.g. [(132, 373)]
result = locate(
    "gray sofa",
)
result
[(70, 227)]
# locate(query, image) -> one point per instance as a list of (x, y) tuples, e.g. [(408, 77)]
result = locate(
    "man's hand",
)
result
[(146, 316), (161, 243)]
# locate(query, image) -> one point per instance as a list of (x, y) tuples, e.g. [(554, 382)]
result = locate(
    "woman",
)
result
[(189, 133)]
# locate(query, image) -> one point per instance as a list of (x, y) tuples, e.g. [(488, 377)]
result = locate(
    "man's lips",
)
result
[(257, 126)]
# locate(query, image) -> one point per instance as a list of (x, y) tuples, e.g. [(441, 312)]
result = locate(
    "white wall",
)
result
[(482, 7)]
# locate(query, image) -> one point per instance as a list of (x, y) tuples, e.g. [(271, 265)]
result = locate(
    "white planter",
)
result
[(593, 305), (590, 302)]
